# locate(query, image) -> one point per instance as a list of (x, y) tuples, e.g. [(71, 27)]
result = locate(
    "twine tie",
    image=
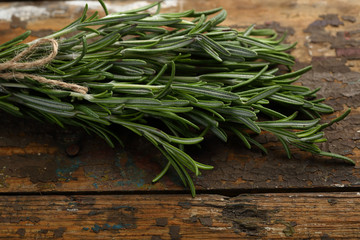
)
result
[(14, 64)]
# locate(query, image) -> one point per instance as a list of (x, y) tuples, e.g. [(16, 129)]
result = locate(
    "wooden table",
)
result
[(64, 184)]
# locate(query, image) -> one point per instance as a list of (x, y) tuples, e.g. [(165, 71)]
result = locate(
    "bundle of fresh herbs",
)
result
[(172, 78)]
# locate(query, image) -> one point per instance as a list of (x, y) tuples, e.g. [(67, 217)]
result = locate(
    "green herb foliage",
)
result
[(185, 70)]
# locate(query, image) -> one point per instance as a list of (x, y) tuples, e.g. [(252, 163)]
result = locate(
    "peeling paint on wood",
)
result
[(37, 158)]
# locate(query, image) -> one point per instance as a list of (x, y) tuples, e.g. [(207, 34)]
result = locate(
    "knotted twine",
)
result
[(14, 64)]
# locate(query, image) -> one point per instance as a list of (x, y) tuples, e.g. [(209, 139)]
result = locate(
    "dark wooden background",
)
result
[(64, 184)]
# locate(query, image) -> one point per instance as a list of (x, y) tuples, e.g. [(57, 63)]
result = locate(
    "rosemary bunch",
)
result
[(184, 69)]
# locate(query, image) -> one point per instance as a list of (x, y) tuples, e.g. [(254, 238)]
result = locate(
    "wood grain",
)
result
[(87, 177), (257, 216), (38, 158)]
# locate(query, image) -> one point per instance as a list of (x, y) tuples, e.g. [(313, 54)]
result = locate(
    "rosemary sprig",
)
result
[(193, 76)]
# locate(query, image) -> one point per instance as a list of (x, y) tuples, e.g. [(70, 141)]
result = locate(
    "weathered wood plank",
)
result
[(34, 157), (258, 216)]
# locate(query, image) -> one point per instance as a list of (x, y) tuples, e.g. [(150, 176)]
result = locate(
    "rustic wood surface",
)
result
[(257, 216), (37, 158)]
